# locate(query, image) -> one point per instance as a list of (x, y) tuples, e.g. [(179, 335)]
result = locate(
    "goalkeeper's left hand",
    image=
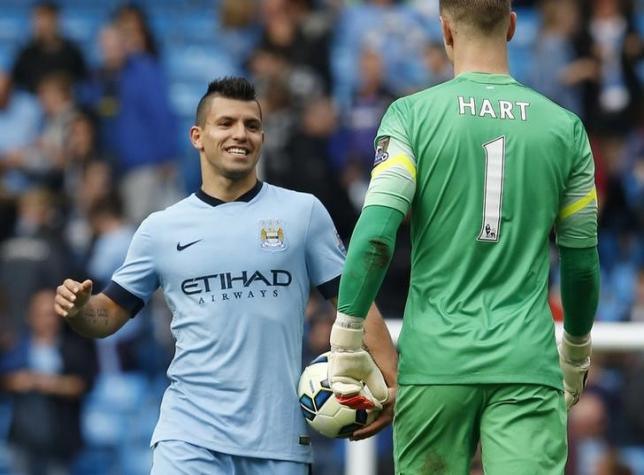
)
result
[(355, 378), (574, 359)]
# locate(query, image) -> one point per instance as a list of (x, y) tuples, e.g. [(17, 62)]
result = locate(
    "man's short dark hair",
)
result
[(48, 7), (111, 205), (237, 88), (484, 15), (59, 79)]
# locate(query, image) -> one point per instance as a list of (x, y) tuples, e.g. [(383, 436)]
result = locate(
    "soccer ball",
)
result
[(322, 410)]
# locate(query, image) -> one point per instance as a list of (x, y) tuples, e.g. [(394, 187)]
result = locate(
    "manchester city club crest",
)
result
[(271, 235)]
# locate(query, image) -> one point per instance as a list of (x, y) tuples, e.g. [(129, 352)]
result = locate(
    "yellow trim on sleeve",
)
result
[(399, 160), (578, 205)]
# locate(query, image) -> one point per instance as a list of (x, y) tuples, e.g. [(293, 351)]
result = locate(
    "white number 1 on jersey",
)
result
[(493, 198)]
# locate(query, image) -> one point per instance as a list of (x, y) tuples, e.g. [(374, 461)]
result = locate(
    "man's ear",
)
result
[(512, 27), (448, 37), (195, 137)]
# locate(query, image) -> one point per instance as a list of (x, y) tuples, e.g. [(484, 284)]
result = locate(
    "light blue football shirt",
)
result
[(236, 277)]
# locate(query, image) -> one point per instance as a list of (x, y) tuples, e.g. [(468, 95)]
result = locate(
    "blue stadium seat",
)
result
[(68, 6), (83, 25), (14, 24), (8, 51), (184, 96), (198, 26), (198, 63), (162, 21), (96, 461)]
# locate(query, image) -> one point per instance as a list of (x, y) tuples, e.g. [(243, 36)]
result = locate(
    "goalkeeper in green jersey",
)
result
[(486, 167)]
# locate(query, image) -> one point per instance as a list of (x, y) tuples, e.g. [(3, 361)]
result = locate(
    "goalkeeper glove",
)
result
[(355, 379), (574, 359)]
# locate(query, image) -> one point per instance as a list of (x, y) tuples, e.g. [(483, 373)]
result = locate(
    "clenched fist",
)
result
[(71, 296)]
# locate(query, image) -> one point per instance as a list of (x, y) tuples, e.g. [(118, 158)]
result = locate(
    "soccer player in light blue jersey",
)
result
[(236, 261)]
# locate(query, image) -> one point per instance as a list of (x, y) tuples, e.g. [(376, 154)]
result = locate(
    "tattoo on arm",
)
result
[(95, 317)]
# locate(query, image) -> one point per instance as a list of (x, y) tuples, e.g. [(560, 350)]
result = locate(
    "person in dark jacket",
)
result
[(47, 373), (47, 51)]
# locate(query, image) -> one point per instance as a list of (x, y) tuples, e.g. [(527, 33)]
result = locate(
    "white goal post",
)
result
[(361, 456)]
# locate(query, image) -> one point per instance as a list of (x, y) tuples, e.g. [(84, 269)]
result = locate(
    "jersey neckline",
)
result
[(246, 197), (487, 78)]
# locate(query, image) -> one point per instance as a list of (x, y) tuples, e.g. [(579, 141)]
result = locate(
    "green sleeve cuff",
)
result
[(370, 250), (579, 288)]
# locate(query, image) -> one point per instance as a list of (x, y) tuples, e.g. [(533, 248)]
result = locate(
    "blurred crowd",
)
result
[(93, 137)]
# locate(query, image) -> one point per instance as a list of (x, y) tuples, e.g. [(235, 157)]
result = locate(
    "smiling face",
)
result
[(230, 139)]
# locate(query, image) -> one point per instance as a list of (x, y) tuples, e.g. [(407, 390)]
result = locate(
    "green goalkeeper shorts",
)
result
[(521, 428)]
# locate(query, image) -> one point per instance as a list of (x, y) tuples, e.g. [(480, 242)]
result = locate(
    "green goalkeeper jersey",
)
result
[(488, 167)]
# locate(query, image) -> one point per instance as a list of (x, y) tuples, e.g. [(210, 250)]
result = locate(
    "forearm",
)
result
[(98, 318), (370, 252), (380, 345), (68, 386), (22, 381), (579, 288)]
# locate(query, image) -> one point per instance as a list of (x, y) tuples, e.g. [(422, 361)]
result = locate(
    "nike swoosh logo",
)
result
[(181, 248)]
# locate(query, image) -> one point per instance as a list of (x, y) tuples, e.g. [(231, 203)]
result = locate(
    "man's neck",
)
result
[(481, 57), (226, 189)]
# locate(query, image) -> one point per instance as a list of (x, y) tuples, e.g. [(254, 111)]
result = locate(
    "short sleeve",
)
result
[(393, 178), (576, 224), (392, 124), (138, 275), (325, 251)]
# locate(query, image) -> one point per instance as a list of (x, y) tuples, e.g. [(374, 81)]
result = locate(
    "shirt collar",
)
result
[(246, 197), (487, 78)]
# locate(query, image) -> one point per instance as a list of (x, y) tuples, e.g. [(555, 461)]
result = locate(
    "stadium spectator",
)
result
[(612, 101), (47, 51), (81, 149), (43, 162), (556, 71), (95, 183), (130, 97), (269, 64), (309, 162), (238, 28), (35, 256), (437, 63), (306, 45), (112, 236), (139, 39), (48, 372), (368, 104), (20, 117), (638, 308), (611, 463), (632, 173), (588, 428)]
